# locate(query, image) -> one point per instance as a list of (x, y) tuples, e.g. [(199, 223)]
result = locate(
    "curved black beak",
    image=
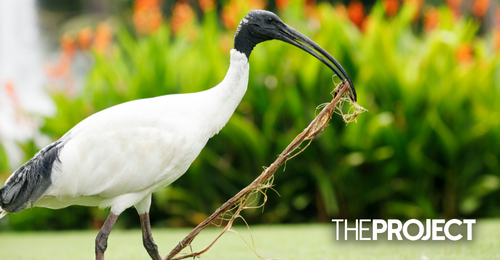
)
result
[(294, 37)]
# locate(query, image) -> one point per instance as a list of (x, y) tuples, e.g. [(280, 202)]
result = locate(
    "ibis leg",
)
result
[(101, 241), (147, 237)]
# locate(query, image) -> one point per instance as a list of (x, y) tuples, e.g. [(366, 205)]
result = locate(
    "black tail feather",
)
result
[(30, 181)]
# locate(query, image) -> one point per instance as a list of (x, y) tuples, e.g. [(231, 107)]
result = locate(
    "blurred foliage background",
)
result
[(427, 71)]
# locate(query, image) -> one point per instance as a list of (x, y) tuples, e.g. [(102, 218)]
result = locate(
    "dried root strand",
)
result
[(265, 181)]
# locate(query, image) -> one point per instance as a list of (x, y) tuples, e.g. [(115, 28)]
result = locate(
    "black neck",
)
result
[(244, 41)]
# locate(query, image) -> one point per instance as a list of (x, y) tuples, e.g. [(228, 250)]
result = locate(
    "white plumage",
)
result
[(117, 157)]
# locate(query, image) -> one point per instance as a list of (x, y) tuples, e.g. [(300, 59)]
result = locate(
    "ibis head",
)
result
[(259, 26)]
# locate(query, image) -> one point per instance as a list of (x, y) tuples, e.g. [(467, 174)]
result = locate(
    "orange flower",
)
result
[(282, 4), (498, 17), (230, 14), (11, 92), (391, 6), (356, 12), (257, 4), (147, 16), (340, 11), (84, 37), (496, 40), (310, 10), (236, 9), (103, 37), (455, 7), (454, 4), (145, 4), (456, 13), (364, 23), (464, 53), (309, 2), (480, 7), (61, 68), (206, 5), (431, 19), (68, 44), (182, 15)]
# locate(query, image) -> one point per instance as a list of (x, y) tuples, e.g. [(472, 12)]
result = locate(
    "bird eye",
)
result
[(269, 20)]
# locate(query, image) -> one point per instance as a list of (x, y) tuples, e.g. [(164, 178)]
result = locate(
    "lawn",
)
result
[(281, 241)]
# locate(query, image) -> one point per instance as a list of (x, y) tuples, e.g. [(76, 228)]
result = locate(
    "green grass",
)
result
[(284, 242)]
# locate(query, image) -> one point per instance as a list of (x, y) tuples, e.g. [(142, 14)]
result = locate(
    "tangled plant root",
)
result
[(265, 181)]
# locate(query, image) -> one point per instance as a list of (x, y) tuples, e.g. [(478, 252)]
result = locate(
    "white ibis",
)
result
[(117, 157)]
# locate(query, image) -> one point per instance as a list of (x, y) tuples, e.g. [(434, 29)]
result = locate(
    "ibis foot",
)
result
[(101, 241), (147, 237)]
